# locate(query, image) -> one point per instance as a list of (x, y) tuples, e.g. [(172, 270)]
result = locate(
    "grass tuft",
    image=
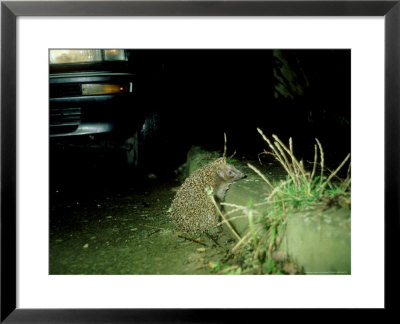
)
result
[(302, 190)]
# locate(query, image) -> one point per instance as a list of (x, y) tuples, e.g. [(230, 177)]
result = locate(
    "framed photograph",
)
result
[(197, 160)]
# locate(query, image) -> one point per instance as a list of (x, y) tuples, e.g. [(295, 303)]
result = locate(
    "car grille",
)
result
[(65, 90), (64, 120)]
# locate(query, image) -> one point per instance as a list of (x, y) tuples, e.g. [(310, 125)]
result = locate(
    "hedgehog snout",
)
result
[(239, 175)]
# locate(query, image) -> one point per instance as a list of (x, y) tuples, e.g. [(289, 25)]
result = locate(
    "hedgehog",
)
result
[(192, 210)]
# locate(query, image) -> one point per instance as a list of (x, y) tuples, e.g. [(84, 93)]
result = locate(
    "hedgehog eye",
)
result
[(230, 173)]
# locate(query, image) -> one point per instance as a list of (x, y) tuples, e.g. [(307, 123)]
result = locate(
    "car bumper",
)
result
[(75, 114), (86, 129)]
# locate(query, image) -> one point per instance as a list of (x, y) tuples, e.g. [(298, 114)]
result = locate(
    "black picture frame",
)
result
[(10, 10)]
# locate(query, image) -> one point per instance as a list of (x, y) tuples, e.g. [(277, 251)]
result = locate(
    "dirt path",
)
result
[(126, 232)]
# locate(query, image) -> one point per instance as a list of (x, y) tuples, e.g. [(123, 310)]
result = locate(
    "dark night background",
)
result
[(201, 94), (191, 97)]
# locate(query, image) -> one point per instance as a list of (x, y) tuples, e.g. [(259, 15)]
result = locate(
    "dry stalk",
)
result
[(223, 217), (313, 170), (347, 181), (291, 146), (276, 153), (291, 151), (233, 205), (258, 156), (238, 208), (321, 151), (260, 174), (289, 166), (346, 184), (233, 211), (224, 155), (234, 153), (294, 160), (315, 162), (270, 202), (243, 208), (236, 217), (348, 171), (333, 173), (244, 238)]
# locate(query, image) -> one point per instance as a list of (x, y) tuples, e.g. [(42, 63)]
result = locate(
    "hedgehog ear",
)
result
[(220, 173)]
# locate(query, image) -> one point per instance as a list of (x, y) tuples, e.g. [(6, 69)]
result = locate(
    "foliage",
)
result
[(301, 190)]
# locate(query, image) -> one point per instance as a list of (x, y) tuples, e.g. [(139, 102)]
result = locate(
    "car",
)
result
[(94, 101)]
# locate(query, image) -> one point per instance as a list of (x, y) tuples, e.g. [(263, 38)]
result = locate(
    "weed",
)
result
[(301, 190)]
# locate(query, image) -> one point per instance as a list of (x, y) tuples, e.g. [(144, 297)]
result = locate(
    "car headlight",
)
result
[(68, 56)]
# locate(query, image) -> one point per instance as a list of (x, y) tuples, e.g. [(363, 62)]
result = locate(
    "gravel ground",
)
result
[(109, 227)]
